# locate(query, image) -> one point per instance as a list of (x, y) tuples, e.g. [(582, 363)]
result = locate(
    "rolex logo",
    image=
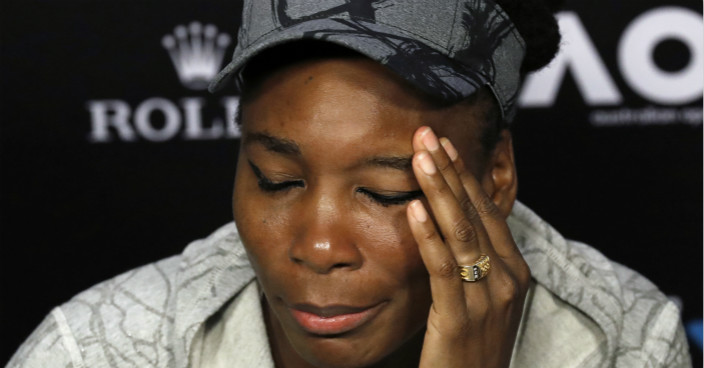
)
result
[(196, 52)]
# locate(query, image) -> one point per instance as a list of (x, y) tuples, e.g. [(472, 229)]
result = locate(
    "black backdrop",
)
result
[(109, 160)]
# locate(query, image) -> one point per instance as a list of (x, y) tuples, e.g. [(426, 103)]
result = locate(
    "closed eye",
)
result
[(267, 185), (391, 199)]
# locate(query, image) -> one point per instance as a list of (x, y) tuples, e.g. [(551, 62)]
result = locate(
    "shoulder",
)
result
[(585, 299), (95, 325), (652, 334), (131, 320), (45, 347)]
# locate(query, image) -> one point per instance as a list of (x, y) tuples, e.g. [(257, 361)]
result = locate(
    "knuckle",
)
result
[(460, 168), (506, 296), (441, 190), (430, 235), (466, 205), (447, 269), (473, 216), (486, 206), (509, 292), (465, 175), (509, 289), (464, 231), (445, 166)]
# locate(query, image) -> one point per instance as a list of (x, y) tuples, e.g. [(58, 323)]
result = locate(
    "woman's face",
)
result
[(322, 183)]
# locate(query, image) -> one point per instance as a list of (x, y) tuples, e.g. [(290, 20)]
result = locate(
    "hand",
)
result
[(470, 324)]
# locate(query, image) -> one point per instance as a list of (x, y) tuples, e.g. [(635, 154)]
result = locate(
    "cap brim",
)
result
[(424, 67)]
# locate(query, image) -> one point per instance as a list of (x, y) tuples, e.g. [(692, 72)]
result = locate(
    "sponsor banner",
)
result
[(113, 154), (196, 51), (657, 77)]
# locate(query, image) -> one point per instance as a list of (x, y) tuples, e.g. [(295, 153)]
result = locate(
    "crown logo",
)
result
[(196, 52)]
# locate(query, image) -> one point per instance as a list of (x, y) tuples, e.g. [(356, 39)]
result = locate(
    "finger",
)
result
[(457, 161), (484, 207), (445, 282), (425, 139), (502, 287), (493, 224), (449, 163), (466, 239)]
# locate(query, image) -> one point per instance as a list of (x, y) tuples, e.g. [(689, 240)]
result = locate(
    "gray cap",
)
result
[(447, 48)]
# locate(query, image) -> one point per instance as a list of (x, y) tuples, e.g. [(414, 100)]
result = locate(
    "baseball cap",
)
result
[(446, 48)]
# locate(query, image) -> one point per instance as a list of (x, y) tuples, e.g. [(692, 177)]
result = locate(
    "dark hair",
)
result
[(534, 20), (536, 23)]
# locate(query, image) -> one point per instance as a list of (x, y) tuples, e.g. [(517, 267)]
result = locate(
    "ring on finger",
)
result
[(476, 271)]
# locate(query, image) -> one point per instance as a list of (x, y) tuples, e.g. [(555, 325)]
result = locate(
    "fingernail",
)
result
[(418, 211), (430, 141), (426, 163), (449, 148)]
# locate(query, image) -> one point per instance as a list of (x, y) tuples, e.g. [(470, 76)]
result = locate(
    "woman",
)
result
[(377, 222)]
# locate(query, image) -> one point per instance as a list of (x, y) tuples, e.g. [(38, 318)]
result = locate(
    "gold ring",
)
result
[(477, 271)]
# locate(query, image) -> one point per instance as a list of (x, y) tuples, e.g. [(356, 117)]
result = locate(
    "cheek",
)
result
[(261, 224), (386, 241), (392, 256)]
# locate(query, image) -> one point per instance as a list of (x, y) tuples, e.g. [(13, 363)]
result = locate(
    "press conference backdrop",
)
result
[(114, 155)]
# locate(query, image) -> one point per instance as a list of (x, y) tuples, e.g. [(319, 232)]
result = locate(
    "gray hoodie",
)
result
[(582, 311)]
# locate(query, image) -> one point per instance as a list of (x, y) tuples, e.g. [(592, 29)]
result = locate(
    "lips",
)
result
[(333, 320)]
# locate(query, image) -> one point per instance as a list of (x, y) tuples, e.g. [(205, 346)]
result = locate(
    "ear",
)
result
[(499, 180)]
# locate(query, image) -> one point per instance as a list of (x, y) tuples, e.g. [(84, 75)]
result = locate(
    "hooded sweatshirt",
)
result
[(582, 310)]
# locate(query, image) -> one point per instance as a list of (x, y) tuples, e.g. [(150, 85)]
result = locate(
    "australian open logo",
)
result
[(658, 96), (197, 52)]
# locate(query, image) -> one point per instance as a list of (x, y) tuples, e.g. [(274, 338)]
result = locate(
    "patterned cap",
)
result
[(447, 48)]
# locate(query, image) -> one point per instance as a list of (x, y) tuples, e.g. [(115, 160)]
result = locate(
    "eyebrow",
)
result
[(272, 143), (290, 147), (403, 163)]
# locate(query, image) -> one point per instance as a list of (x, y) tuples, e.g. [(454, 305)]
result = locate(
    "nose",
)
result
[(325, 241)]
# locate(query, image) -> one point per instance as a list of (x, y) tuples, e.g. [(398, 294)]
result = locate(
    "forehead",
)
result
[(350, 103)]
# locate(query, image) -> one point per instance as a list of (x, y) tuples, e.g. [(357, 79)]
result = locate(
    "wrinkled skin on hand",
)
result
[(471, 324)]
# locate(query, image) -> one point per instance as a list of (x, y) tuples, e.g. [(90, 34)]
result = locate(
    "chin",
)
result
[(362, 349), (336, 353)]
